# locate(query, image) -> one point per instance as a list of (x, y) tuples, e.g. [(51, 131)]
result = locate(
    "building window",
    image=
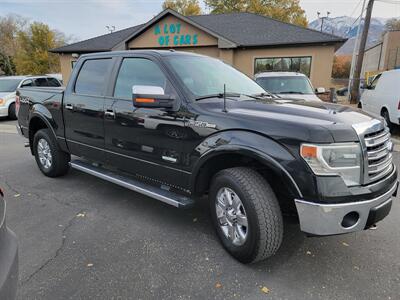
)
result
[(283, 64)]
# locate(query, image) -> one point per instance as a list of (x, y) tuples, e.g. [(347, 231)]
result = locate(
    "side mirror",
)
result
[(320, 90), (150, 96)]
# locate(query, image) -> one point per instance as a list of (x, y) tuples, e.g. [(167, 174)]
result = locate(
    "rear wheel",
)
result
[(12, 113), (51, 160), (246, 214)]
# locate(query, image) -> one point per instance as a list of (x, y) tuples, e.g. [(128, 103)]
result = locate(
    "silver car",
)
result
[(8, 257)]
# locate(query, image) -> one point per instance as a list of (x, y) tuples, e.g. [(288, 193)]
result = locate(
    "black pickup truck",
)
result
[(176, 126)]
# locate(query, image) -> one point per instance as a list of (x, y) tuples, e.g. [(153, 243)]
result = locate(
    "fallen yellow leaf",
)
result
[(17, 195), (218, 285), (265, 290), (345, 244)]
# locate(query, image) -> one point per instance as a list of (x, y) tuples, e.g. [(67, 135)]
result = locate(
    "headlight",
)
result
[(2, 101), (336, 159)]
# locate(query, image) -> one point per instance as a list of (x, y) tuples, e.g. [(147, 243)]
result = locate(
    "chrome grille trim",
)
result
[(376, 147)]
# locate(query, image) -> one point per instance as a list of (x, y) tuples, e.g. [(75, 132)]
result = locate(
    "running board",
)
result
[(162, 195)]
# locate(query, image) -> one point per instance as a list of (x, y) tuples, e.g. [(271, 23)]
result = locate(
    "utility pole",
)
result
[(357, 73), (356, 45)]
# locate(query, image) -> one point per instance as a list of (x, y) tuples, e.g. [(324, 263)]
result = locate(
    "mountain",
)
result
[(347, 27)]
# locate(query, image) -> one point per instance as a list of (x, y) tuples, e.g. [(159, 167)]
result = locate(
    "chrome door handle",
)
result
[(109, 113), (69, 106)]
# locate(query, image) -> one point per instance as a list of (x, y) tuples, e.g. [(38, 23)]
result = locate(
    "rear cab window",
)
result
[(92, 77)]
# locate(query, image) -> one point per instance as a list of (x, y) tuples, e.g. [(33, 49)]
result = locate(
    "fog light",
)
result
[(350, 219)]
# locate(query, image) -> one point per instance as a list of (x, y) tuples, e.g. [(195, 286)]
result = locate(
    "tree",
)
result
[(9, 27), (33, 56), (288, 11), (184, 7), (341, 66), (392, 24)]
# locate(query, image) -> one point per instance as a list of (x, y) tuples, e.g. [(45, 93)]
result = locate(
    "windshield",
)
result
[(286, 84), (204, 76), (9, 85)]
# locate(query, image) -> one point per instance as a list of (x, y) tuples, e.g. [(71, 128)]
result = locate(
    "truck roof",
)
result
[(170, 52)]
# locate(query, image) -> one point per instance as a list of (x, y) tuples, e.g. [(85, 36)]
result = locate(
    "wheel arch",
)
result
[(38, 121), (234, 156)]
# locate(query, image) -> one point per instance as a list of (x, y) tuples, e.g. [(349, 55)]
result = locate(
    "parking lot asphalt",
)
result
[(84, 238)]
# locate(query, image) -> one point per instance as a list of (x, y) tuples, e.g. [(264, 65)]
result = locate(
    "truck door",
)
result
[(144, 141), (83, 109)]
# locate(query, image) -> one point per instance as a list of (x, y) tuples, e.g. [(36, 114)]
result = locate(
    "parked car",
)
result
[(8, 257), (289, 84), (382, 97), (257, 157), (9, 84)]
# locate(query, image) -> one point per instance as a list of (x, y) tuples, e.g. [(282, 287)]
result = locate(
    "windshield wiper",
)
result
[(219, 95), (291, 92)]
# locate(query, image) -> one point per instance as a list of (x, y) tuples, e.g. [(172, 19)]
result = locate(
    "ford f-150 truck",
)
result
[(176, 126)]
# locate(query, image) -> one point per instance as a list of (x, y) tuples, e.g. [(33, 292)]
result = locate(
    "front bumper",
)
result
[(338, 218)]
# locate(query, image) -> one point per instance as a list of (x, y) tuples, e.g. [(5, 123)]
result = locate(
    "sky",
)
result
[(82, 19)]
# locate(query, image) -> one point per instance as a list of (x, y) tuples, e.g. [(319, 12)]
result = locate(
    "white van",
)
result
[(382, 97)]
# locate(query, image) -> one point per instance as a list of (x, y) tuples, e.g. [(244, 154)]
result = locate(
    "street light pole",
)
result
[(357, 74)]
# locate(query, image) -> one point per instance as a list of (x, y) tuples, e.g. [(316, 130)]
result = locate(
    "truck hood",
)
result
[(313, 121)]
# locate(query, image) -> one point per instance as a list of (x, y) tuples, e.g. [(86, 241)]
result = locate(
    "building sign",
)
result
[(169, 34)]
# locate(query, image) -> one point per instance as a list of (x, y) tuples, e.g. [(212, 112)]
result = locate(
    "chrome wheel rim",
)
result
[(231, 216), (44, 153)]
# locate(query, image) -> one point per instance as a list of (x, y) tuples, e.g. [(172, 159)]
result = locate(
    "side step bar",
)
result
[(168, 197)]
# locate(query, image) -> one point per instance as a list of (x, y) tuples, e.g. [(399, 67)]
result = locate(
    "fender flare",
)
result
[(237, 145), (41, 112)]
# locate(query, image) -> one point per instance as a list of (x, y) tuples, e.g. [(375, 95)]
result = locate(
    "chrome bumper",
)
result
[(329, 219)]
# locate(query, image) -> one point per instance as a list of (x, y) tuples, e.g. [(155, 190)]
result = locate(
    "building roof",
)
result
[(247, 29), (238, 29), (100, 43)]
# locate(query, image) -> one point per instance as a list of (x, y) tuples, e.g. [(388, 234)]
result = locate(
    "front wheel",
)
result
[(12, 112), (246, 214), (385, 115), (51, 160)]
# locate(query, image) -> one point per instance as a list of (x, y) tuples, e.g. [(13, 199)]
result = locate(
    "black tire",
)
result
[(385, 115), (265, 226), (12, 113), (59, 160)]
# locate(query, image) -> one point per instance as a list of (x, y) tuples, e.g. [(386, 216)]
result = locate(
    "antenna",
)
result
[(224, 109)]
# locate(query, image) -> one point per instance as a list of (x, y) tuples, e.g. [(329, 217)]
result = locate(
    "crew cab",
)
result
[(9, 85), (176, 126)]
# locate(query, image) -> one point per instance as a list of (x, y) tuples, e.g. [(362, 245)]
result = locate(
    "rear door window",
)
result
[(53, 82), (27, 83), (40, 82), (92, 77)]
